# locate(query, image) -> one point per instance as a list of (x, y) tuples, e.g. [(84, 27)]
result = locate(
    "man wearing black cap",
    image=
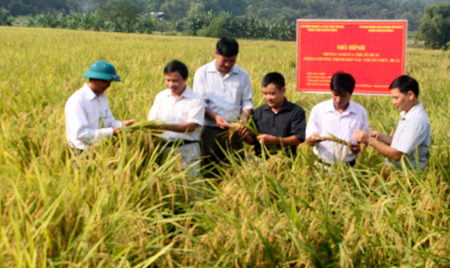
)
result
[(88, 116)]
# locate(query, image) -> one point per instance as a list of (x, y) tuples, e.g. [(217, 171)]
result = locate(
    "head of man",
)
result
[(404, 92), (100, 75), (226, 54), (176, 74), (342, 86), (273, 87)]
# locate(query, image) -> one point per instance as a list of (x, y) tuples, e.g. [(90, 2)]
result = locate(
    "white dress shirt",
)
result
[(225, 95), (188, 108), (326, 119), (413, 132), (88, 118)]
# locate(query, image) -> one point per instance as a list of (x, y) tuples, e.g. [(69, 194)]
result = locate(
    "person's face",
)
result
[(100, 85), (175, 82), (341, 100), (273, 96), (224, 64), (401, 101)]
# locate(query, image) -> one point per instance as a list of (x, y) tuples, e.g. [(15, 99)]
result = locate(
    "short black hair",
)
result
[(227, 47), (273, 78), (177, 66), (405, 84), (342, 82)]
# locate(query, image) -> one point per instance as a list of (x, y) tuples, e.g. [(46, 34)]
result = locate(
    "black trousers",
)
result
[(214, 140)]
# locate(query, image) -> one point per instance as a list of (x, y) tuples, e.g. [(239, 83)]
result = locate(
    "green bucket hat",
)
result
[(102, 70)]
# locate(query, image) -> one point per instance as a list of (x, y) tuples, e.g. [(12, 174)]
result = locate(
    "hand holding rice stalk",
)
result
[(150, 125), (336, 140), (250, 125)]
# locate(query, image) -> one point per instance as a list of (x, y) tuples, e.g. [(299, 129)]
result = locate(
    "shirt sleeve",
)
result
[(364, 122), (78, 122), (154, 111), (412, 135), (247, 94), (298, 125), (197, 112), (313, 125), (200, 85)]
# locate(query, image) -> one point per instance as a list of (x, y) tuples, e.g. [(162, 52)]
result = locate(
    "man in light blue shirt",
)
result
[(227, 91), (412, 137)]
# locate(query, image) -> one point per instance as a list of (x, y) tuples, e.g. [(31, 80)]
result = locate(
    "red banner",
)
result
[(374, 52)]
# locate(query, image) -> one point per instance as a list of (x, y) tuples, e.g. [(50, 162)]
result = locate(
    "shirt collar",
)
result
[(329, 107), (415, 109), (187, 93), (212, 68), (286, 106), (87, 92)]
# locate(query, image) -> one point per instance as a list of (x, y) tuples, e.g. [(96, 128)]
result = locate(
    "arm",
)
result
[(247, 99), (181, 127), (384, 149), (220, 121), (245, 115), (267, 139), (243, 132), (312, 129), (78, 123), (381, 137)]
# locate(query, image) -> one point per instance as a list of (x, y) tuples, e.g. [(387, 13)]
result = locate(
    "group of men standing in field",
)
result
[(196, 120)]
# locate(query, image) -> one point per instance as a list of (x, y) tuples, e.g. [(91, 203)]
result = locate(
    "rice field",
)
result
[(121, 207)]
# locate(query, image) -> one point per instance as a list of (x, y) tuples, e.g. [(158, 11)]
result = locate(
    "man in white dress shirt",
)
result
[(183, 111), (340, 117), (88, 116), (412, 137), (227, 92)]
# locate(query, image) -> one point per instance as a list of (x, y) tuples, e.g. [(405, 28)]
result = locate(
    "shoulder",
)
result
[(202, 69), (257, 113), (194, 95), (358, 107), (75, 99), (321, 106), (162, 94), (240, 70), (296, 108)]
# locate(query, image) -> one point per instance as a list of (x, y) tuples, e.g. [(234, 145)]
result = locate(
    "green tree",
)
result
[(5, 17), (435, 28), (216, 28), (120, 10)]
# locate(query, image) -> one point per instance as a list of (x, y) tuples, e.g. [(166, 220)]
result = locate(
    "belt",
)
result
[(179, 143), (351, 163)]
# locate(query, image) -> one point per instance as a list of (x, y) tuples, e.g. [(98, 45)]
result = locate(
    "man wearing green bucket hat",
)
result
[(88, 116)]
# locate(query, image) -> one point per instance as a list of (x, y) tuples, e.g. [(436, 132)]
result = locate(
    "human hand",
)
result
[(267, 139), (221, 122), (315, 137), (117, 130), (375, 134), (242, 131), (361, 136), (128, 122)]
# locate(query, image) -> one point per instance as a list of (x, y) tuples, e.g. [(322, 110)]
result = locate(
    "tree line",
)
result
[(268, 10), (433, 24)]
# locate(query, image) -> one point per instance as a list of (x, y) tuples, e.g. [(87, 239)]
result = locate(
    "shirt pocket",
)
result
[(235, 92)]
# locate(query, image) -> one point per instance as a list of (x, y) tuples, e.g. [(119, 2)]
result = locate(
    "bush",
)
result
[(5, 17), (435, 29), (215, 28)]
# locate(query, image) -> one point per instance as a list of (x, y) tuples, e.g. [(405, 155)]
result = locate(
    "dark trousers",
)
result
[(214, 141)]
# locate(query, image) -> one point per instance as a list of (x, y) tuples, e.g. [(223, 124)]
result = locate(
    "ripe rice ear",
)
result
[(336, 140)]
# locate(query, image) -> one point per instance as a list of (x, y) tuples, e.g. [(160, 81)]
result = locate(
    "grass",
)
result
[(117, 206)]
